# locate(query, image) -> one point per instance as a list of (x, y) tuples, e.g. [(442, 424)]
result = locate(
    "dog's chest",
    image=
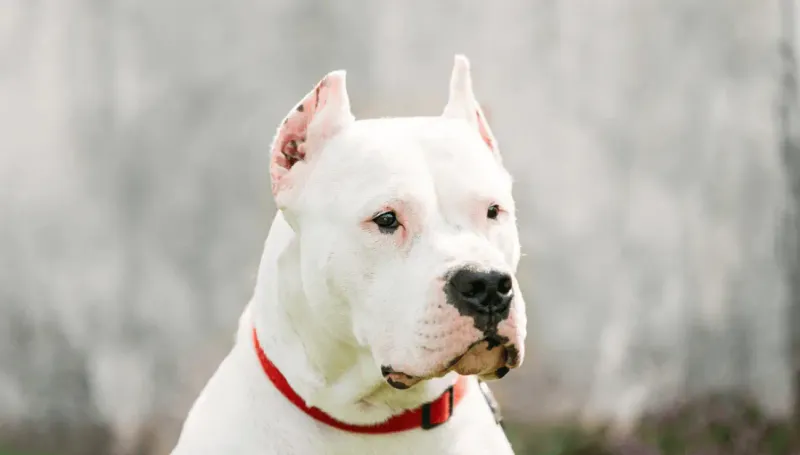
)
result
[(484, 440)]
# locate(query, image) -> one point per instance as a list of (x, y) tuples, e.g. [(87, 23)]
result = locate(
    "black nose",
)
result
[(481, 292)]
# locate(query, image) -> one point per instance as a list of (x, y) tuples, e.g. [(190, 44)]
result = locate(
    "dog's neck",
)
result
[(316, 353)]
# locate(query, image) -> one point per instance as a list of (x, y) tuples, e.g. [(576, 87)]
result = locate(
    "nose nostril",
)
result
[(475, 288), (470, 287), (504, 286)]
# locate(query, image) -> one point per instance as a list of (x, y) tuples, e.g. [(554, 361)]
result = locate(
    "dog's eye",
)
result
[(492, 212), (386, 221)]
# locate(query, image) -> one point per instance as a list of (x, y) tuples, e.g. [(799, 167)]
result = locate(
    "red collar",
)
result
[(429, 415)]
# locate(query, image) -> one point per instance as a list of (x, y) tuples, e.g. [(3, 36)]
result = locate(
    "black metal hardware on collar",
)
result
[(427, 424)]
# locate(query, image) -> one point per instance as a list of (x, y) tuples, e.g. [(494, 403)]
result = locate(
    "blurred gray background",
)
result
[(652, 143)]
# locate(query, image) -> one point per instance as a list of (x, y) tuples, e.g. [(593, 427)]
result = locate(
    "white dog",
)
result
[(386, 290)]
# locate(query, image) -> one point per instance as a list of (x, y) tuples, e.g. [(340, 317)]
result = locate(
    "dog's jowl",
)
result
[(386, 292)]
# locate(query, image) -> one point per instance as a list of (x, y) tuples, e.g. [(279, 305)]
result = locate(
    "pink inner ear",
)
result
[(290, 144), (483, 129)]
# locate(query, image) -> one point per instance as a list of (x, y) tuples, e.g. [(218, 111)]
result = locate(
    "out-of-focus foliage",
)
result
[(719, 424)]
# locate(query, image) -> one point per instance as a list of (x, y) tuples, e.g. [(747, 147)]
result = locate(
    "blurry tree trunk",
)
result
[(790, 147)]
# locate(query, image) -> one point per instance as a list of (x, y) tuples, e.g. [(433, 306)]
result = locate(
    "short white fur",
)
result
[(336, 298)]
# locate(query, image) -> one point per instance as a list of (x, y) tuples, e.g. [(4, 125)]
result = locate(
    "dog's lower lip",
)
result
[(512, 356), (493, 342), (397, 385), (502, 371), (457, 359)]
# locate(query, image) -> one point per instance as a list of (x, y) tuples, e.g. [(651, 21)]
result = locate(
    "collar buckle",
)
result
[(443, 415)]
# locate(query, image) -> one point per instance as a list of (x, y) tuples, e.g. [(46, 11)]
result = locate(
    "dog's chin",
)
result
[(487, 359)]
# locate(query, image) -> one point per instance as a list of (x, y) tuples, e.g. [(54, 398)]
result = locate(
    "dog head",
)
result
[(406, 230)]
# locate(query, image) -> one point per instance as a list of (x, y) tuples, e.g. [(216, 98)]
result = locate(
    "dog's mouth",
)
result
[(489, 358)]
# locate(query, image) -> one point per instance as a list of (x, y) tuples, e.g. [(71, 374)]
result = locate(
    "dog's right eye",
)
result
[(386, 222)]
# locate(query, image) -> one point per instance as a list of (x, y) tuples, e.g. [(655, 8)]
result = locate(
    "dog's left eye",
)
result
[(387, 222), (492, 212)]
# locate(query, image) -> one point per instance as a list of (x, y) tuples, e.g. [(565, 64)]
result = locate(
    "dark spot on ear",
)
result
[(292, 153), (502, 371), (300, 108), (397, 385), (316, 94)]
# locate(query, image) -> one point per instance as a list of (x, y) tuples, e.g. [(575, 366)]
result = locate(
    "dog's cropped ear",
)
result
[(462, 103), (320, 115)]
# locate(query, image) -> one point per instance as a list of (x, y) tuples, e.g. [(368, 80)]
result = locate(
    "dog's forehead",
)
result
[(443, 151), (431, 162)]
